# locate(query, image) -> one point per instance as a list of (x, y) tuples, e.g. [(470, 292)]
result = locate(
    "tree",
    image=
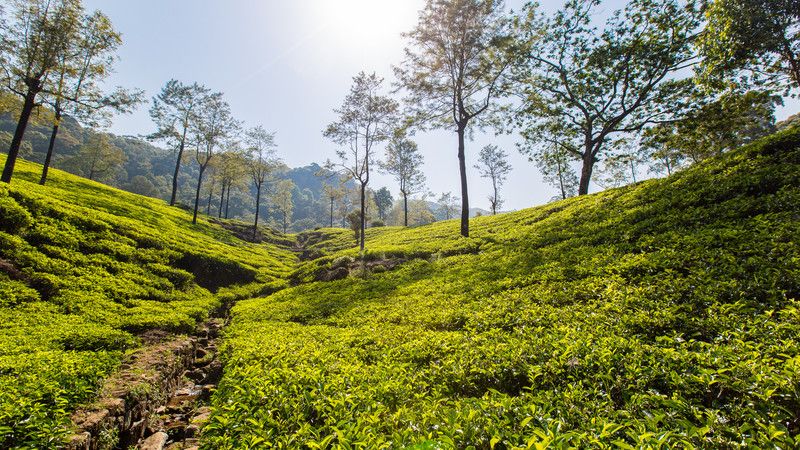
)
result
[(332, 192), (404, 162), (734, 119), (231, 171), (365, 118), (174, 111), (493, 164), (261, 162), (214, 124), (76, 83), (554, 163), (31, 46), (657, 149), (599, 84), (384, 202), (448, 204), (755, 36), (454, 68), (621, 166), (282, 201), (97, 159)]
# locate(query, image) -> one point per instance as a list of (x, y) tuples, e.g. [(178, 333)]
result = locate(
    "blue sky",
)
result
[(286, 64)]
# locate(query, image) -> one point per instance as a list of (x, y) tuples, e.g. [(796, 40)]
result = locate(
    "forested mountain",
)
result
[(147, 169)]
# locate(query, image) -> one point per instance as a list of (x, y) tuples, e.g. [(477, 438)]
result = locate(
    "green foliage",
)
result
[(659, 315), (748, 41), (84, 269)]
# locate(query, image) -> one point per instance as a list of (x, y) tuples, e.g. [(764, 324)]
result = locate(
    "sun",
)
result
[(364, 22)]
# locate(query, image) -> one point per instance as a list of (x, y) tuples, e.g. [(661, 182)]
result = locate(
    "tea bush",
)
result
[(660, 315), (84, 269)]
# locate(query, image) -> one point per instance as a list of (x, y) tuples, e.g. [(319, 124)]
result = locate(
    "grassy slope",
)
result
[(85, 268), (659, 315)]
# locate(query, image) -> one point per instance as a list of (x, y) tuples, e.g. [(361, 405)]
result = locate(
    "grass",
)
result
[(84, 270), (659, 315)]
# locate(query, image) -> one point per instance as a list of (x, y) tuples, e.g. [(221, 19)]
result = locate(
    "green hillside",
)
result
[(85, 270), (660, 315)]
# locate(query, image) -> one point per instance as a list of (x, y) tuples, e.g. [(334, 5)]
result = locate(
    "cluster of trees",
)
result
[(52, 52), (661, 83), (655, 86)]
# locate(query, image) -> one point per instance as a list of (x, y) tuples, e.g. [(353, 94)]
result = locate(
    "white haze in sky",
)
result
[(287, 64)]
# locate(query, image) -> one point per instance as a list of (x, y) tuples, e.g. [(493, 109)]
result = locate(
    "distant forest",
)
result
[(146, 169)]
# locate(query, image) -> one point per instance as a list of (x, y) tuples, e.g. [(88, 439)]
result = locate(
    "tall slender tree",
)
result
[(404, 162), (213, 126), (453, 70), (332, 192), (75, 87), (493, 164), (282, 201), (261, 162), (32, 45), (365, 119), (174, 112)]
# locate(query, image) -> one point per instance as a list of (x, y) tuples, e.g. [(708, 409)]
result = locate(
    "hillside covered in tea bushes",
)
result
[(664, 314), (86, 273)]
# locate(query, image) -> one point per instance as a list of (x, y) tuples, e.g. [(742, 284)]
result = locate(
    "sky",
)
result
[(286, 65)]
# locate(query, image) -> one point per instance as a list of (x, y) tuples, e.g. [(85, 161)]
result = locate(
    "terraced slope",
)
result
[(85, 272), (659, 315)]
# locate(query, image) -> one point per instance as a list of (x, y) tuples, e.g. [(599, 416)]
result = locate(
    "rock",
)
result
[(92, 421), (192, 430), (80, 441), (154, 442)]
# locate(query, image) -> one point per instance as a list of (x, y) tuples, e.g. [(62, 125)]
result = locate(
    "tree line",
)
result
[(660, 82), (657, 85)]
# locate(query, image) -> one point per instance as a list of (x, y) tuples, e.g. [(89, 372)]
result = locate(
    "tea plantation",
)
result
[(85, 271), (660, 315)]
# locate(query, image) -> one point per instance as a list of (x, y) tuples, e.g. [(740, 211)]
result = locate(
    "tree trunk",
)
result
[(494, 199), (210, 196), (363, 215), (462, 166), (561, 181), (258, 206), (16, 142), (49, 157), (586, 170), (221, 201), (177, 169), (227, 201), (284, 222), (405, 209), (197, 194), (331, 212)]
